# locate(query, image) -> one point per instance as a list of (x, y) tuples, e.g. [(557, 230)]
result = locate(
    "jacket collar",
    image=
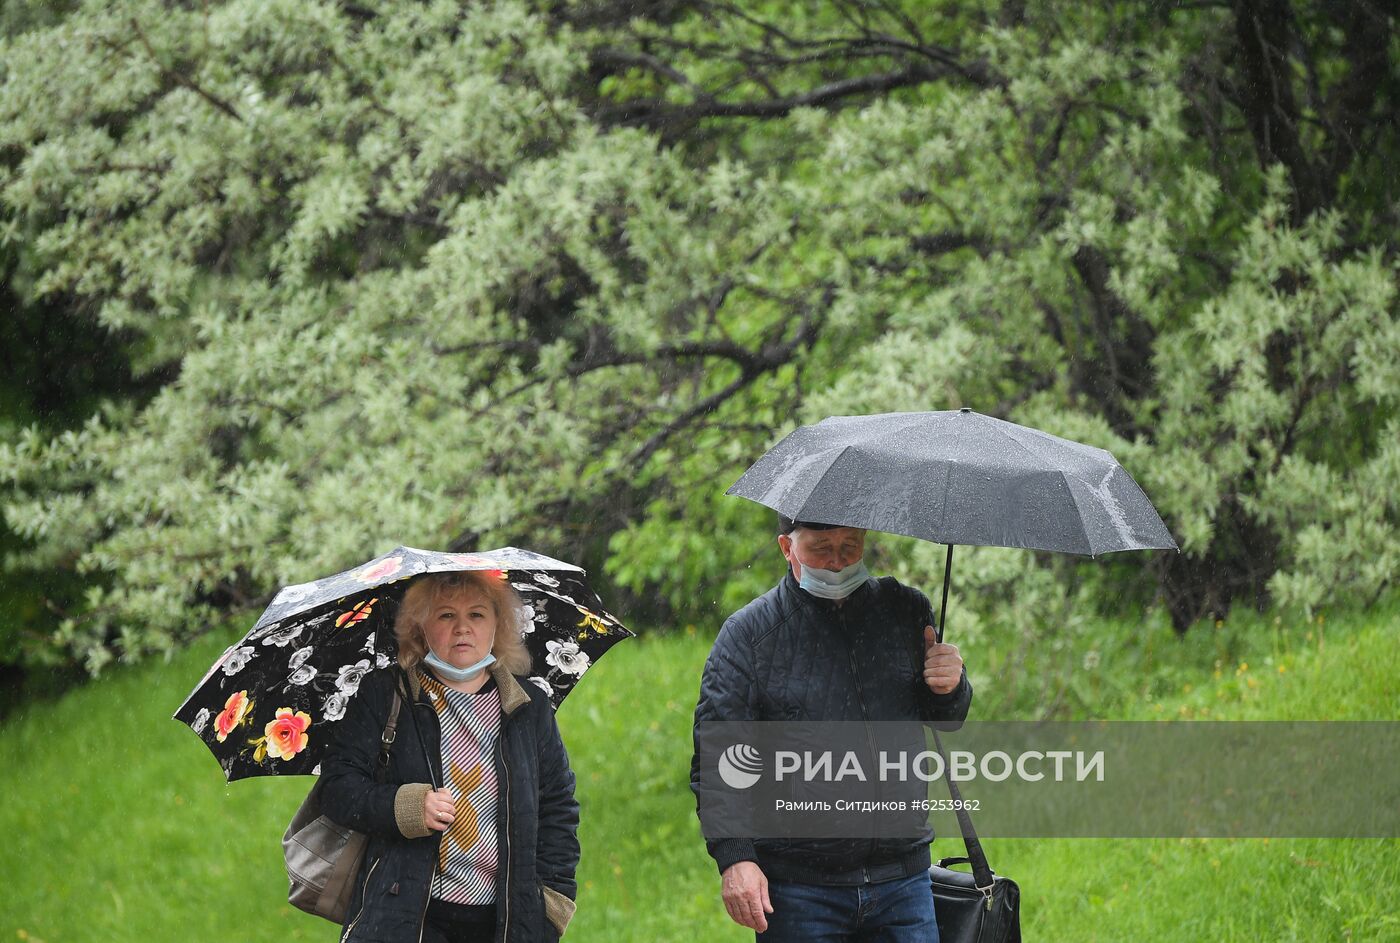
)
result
[(513, 696)]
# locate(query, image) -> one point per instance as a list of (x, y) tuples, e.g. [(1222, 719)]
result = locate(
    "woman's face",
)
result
[(461, 628)]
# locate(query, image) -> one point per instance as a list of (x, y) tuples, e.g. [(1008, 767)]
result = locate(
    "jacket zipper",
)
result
[(505, 825), (423, 917), (860, 700), (504, 819), (363, 891), (428, 897)]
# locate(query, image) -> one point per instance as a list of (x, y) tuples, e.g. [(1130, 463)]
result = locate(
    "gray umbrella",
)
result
[(956, 477)]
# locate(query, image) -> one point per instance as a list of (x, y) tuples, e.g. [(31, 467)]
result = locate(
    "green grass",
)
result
[(1253, 668), (117, 825)]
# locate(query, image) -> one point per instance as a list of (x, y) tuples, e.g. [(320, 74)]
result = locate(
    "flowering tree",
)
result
[(552, 274)]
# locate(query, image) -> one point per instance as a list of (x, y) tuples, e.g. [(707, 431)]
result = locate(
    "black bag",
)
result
[(980, 907), (968, 915)]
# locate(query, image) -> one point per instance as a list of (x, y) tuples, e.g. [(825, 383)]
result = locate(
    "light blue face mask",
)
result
[(833, 584), (458, 674)]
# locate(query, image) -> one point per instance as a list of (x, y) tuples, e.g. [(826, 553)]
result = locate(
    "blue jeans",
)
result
[(898, 911)]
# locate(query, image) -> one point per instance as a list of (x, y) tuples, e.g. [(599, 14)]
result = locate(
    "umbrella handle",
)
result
[(947, 578)]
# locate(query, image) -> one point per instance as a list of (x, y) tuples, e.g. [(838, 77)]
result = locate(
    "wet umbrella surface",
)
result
[(956, 477), (268, 706)]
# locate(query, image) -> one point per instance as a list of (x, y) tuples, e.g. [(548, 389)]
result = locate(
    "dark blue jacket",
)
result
[(537, 826), (791, 656)]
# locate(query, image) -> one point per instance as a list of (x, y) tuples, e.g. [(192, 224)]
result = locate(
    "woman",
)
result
[(473, 825)]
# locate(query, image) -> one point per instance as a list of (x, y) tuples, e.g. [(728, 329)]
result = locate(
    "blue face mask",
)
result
[(833, 584), (458, 674)]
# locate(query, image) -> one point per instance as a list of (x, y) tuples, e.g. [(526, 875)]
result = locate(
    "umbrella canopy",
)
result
[(268, 706), (956, 477)]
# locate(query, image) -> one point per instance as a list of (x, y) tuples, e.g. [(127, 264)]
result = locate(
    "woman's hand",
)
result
[(439, 809)]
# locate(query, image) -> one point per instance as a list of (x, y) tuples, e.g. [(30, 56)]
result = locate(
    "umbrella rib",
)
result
[(816, 486), (1088, 542), (1128, 538), (1013, 440), (1080, 508)]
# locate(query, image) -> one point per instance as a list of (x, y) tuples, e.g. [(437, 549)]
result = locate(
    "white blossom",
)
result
[(284, 637), (335, 705), (566, 656), (291, 595), (236, 659), (351, 675)]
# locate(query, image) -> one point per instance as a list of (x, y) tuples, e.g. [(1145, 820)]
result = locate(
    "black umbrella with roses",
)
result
[(270, 702)]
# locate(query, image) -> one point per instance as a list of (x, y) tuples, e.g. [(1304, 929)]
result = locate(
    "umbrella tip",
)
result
[(965, 409)]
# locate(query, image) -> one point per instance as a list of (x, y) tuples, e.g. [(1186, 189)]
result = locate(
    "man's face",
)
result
[(833, 549)]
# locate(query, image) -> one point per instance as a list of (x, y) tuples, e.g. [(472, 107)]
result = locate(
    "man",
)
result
[(830, 643)]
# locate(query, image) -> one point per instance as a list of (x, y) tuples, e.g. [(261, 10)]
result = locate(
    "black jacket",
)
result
[(791, 656), (537, 825)]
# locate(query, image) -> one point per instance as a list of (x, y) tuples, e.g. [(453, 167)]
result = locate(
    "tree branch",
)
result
[(769, 358), (654, 112), (941, 243), (1124, 341), (181, 79), (1263, 37)]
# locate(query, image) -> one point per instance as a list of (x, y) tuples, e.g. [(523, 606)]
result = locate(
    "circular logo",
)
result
[(740, 766)]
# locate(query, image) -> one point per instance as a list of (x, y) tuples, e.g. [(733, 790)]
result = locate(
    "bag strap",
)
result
[(386, 739), (427, 760), (976, 856), (981, 871)]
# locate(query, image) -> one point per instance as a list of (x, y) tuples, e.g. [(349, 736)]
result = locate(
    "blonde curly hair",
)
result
[(427, 591)]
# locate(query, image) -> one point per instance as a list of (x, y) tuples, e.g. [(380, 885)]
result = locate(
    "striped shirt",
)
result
[(467, 855)]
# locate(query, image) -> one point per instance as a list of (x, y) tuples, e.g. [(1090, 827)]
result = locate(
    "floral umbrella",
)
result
[(270, 703)]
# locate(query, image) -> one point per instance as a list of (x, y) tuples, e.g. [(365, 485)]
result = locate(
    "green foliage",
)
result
[(365, 305), (553, 274), (53, 373), (1304, 429)]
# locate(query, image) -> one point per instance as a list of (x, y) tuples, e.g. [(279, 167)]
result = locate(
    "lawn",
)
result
[(118, 825)]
